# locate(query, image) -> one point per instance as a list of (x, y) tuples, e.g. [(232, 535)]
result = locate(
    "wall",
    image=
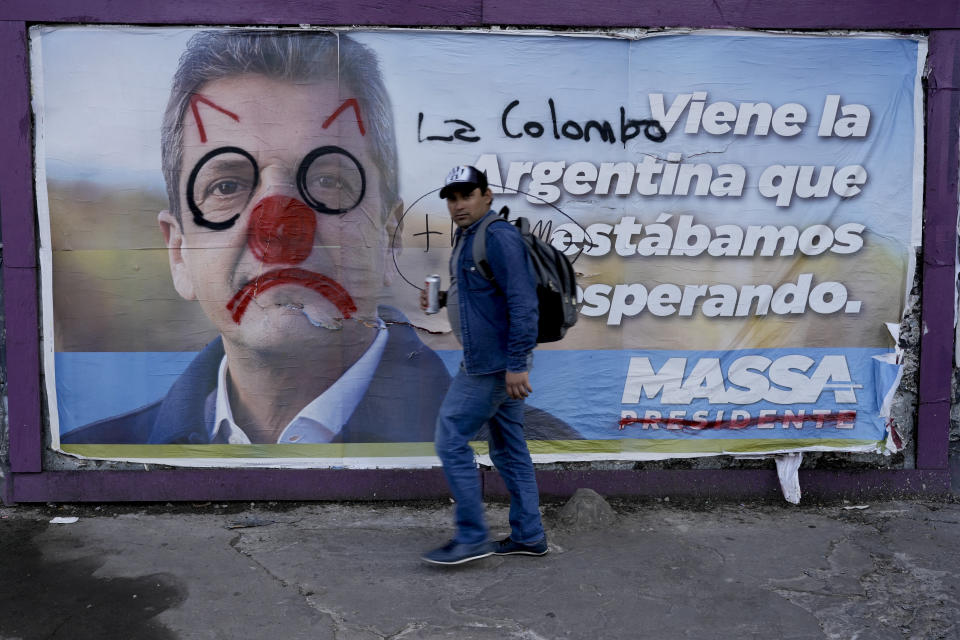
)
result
[(923, 404)]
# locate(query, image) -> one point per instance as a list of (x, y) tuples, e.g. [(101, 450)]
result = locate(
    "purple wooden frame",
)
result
[(27, 482)]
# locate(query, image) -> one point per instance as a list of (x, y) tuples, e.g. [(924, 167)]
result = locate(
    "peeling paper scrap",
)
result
[(894, 330), (788, 465), (64, 520), (887, 374)]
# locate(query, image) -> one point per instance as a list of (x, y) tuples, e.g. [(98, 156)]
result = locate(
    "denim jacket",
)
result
[(498, 319)]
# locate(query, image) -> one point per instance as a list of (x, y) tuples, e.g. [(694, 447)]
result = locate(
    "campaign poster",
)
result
[(235, 224)]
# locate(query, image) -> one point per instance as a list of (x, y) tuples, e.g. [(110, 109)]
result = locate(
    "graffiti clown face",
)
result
[(281, 235)]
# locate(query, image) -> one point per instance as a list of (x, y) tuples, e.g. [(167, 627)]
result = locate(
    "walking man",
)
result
[(496, 322)]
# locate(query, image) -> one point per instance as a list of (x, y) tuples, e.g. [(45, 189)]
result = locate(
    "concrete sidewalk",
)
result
[(658, 570)]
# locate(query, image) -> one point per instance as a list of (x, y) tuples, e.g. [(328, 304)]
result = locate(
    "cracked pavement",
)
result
[(352, 572)]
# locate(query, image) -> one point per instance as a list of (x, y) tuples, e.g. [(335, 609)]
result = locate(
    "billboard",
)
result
[(235, 223)]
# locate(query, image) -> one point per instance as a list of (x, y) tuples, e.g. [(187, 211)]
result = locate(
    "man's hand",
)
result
[(518, 385)]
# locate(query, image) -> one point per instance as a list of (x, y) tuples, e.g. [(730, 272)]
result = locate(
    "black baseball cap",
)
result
[(464, 178)]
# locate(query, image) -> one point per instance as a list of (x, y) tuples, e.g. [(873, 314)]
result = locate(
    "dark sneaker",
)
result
[(458, 553), (508, 547)]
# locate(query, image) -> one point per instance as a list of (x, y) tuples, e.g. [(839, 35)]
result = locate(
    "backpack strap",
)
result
[(480, 244)]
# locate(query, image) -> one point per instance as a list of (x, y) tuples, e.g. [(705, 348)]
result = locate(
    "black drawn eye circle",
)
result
[(220, 187), (331, 180)]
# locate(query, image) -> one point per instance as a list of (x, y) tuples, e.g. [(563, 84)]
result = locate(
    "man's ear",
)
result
[(179, 269), (393, 226)]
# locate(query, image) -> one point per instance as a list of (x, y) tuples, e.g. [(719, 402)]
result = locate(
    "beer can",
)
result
[(433, 294)]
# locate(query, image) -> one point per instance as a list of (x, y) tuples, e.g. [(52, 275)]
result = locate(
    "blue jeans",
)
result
[(471, 401)]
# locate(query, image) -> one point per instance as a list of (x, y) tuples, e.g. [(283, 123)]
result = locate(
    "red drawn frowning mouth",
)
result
[(327, 287)]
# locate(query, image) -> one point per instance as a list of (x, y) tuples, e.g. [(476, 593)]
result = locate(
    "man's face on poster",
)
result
[(283, 238)]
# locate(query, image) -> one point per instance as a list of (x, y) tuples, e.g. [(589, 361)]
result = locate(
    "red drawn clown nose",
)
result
[(281, 230)]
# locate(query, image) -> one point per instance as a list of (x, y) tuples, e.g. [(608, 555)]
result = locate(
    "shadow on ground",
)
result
[(43, 597)]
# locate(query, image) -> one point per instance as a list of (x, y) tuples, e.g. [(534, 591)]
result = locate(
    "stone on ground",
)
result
[(586, 509)]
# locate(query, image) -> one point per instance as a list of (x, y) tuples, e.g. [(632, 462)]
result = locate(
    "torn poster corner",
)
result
[(788, 466)]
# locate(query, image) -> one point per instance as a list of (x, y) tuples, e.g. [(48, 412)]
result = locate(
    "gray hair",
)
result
[(297, 56)]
